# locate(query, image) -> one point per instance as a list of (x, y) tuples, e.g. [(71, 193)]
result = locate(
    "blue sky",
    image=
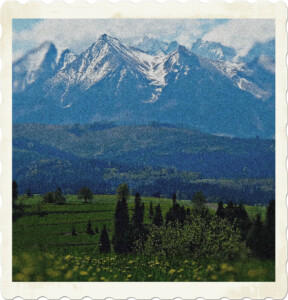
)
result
[(79, 34)]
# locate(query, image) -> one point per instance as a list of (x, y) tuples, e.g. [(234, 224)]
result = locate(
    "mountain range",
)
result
[(113, 82)]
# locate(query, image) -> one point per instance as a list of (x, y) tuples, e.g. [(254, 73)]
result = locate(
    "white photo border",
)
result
[(145, 10)]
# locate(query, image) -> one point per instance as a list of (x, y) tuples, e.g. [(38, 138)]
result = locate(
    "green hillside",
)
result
[(153, 160), (45, 249)]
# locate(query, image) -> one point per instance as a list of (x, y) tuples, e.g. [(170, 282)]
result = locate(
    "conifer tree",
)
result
[(158, 218), (74, 232), (137, 226), (270, 230), (255, 237), (138, 215), (121, 239), (104, 242), (14, 192), (89, 229), (174, 198), (220, 212)]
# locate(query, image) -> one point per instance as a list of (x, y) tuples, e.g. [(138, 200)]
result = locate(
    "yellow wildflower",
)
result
[(83, 273), (68, 274)]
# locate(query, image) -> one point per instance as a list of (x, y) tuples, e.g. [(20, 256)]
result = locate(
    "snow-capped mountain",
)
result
[(156, 47), (36, 64), (213, 50), (66, 57), (217, 51), (39, 64), (111, 81)]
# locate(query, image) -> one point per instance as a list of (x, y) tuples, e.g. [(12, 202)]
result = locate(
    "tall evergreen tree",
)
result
[(89, 229), (220, 212), (138, 215), (73, 232), (123, 192), (174, 198), (14, 192), (137, 226), (121, 239), (104, 242), (270, 230), (255, 237), (158, 218)]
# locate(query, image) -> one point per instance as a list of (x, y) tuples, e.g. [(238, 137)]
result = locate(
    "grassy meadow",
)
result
[(44, 248)]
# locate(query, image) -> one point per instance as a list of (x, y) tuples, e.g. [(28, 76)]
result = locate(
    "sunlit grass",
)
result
[(80, 267)]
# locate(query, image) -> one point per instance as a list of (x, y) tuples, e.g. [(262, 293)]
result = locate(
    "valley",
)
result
[(156, 159)]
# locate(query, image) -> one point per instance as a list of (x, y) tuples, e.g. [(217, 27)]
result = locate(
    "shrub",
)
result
[(215, 239)]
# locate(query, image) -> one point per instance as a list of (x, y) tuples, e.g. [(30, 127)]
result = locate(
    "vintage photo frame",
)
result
[(145, 290)]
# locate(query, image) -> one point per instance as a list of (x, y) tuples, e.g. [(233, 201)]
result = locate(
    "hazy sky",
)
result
[(79, 34)]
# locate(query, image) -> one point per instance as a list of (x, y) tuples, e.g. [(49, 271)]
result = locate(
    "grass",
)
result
[(45, 250), (80, 267)]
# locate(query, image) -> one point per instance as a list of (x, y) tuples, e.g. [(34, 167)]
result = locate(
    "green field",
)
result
[(45, 250)]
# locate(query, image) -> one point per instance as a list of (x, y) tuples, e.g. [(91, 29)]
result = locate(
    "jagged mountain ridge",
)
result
[(111, 81), (155, 47)]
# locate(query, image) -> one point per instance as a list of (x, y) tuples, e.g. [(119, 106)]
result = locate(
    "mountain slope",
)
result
[(151, 159), (111, 81), (213, 50), (156, 145)]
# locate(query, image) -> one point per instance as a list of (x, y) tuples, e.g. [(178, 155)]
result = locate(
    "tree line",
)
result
[(186, 231)]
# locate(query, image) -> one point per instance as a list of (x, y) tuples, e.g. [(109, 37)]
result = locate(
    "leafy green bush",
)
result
[(199, 238)]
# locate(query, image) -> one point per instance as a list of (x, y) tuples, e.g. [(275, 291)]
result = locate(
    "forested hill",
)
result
[(102, 153)]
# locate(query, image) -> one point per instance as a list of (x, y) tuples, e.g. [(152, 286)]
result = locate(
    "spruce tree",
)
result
[(138, 215), (174, 198), (121, 239), (14, 192), (255, 238), (220, 212), (74, 232), (104, 242), (158, 218), (270, 230), (89, 229), (137, 226)]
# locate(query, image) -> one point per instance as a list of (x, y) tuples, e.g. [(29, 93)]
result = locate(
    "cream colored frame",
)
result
[(142, 290)]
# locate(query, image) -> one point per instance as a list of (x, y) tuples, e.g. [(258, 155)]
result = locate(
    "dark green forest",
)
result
[(154, 160)]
